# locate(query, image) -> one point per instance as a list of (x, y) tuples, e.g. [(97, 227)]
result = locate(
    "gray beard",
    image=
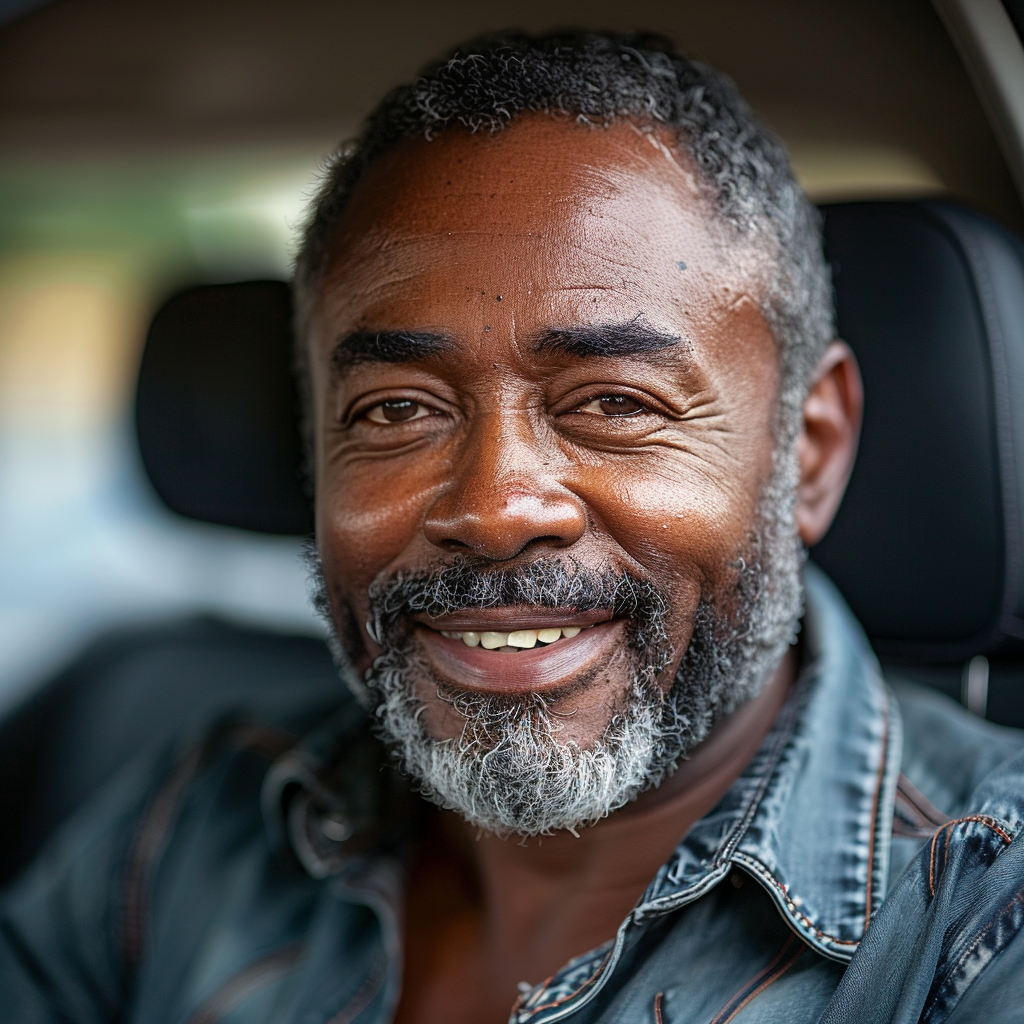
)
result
[(509, 771)]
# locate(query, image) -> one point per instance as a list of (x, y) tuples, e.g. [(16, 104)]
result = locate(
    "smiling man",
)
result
[(547, 472), (615, 754)]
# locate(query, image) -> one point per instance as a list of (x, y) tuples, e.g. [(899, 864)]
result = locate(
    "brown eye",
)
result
[(613, 405), (397, 410)]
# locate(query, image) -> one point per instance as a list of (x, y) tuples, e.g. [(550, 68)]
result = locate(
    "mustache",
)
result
[(544, 583)]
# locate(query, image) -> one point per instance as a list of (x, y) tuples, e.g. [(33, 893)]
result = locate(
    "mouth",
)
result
[(520, 652), (517, 640)]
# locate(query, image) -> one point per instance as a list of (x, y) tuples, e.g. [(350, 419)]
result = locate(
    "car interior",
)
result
[(928, 545)]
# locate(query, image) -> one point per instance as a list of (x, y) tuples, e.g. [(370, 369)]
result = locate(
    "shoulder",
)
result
[(948, 752), (201, 791), (946, 942), (139, 869), (210, 795)]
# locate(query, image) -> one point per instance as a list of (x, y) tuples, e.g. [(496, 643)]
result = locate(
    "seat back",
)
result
[(129, 691), (928, 544)]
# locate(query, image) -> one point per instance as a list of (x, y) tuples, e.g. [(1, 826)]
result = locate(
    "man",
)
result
[(576, 407)]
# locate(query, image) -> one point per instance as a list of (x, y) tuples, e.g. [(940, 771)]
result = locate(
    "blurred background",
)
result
[(145, 146)]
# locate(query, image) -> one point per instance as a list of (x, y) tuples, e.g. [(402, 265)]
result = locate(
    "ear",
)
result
[(828, 438)]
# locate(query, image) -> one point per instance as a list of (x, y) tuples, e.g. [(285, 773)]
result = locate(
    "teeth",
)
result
[(523, 638), (517, 640)]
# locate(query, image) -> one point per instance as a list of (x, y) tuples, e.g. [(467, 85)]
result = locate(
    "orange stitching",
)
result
[(262, 739), (657, 1008), (760, 974), (245, 983), (539, 989), (981, 819), (768, 981), (988, 822), (791, 906), (145, 849), (576, 992)]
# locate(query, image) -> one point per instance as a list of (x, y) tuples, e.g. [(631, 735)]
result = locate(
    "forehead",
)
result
[(565, 219)]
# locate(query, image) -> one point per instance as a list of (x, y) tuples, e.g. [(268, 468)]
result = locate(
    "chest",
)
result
[(727, 957)]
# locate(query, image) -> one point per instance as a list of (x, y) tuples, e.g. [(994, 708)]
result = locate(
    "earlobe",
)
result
[(827, 445)]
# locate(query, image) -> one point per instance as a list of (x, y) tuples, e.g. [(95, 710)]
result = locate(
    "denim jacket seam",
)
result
[(766, 977), (554, 1004), (595, 982), (233, 991), (947, 831), (876, 801), (672, 901), (718, 864), (937, 992), (760, 870), (756, 979), (149, 840), (757, 867), (728, 849)]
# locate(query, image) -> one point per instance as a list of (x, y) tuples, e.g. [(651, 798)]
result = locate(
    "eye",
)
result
[(613, 405), (397, 410)]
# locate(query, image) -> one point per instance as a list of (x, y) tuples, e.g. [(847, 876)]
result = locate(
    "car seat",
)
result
[(927, 546)]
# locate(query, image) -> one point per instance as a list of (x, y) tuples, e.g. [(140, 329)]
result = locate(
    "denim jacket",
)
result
[(864, 867)]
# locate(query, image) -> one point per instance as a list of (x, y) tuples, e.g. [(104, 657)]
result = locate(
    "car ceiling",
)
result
[(844, 77)]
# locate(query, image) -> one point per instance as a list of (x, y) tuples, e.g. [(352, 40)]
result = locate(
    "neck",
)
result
[(558, 896)]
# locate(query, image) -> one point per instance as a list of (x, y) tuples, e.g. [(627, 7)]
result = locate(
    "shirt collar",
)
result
[(810, 816)]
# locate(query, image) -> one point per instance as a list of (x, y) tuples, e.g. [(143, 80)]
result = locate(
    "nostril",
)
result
[(453, 544), (499, 521)]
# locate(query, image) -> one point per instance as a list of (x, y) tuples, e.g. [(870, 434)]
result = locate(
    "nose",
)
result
[(502, 498)]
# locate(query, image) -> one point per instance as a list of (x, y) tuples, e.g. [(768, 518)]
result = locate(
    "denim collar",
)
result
[(810, 817)]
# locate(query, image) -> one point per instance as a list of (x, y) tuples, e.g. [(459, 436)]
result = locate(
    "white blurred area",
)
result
[(84, 543)]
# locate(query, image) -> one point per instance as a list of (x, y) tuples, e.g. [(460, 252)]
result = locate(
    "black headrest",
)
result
[(217, 408), (928, 546)]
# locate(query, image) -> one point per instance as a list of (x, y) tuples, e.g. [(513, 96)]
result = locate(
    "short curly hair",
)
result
[(598, 79)]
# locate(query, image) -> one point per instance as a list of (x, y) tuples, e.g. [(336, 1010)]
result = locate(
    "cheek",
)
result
[(367, 518), (680, 528)]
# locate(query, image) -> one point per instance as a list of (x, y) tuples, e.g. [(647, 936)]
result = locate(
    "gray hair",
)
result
[(598, 79)]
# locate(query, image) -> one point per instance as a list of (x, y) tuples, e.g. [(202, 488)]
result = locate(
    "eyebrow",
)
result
[(386, 347), (632, 338)]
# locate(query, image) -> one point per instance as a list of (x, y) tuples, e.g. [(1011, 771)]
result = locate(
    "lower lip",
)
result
[(535, 670)]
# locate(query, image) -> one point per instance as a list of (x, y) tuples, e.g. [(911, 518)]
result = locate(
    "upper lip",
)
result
[(505, 620)]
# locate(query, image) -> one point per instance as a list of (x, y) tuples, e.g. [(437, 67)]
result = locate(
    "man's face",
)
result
[(534, 357)]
